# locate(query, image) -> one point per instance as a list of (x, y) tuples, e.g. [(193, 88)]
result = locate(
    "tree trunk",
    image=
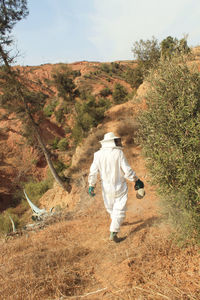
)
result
[(66, 186), (50, 164)]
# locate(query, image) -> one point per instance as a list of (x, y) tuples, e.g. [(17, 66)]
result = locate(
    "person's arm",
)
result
[(92, 178), (126, 168)]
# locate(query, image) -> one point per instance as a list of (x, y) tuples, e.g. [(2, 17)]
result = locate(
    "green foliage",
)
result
[(67, 129), (5, 222), (11, 12), (171, 46), (35, 190), (48, 82), (59, 166), (59, 114), (112, 68), (16, 97), (119, 94), (170, 131), (89, 114), (105, 92), (76, 73), (49, 109), (105, 68), (63, 79), (77, 133), (134, 76), (54, 143), (29, 134), (147, 53), (63, 144), (103, 104)]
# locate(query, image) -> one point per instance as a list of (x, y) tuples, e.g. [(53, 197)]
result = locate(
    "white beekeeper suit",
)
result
[(114, 169)]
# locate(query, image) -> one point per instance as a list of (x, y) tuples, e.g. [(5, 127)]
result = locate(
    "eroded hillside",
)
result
[(21, 160)]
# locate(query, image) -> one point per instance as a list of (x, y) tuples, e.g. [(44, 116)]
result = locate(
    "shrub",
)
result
[(105, 68), (67, 129), (170, 131), (36, 189), (89, 114), (63, 144), (134, 76), (59, 114), (49, 109), (54, 143), (5, 222), (77, 133), (63, 79), (59, 166), (105, 92), (170, 46), (119, 94)]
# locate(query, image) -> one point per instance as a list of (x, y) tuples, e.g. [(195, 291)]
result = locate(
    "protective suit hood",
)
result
[(109, 141)]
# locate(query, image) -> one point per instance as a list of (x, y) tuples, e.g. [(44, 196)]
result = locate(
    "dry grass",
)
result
[(90, 145), (127, 129), (67, 260), (39, 266)]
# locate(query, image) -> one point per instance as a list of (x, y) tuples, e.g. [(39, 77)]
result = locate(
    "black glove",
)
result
[(139, 185)]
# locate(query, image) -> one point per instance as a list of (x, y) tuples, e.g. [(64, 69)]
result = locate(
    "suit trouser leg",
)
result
[(117, 210)]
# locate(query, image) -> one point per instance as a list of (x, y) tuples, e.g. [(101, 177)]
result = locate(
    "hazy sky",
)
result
[(100, 30)]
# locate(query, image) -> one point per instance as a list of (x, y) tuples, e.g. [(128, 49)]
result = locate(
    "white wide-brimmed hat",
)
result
[(109, 137)]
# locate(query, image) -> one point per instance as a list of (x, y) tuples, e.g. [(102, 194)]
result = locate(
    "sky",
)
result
[(66, 31)]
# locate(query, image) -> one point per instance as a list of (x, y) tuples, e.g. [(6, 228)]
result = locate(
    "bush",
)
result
[(63, 144), (35, 190), (5, 222), (67, 129), (105, 68), (105, 92), (63, 79), (89, 114), (59, 114), (134, 76), (170, 131), (60, 167), (77, 133), (49, 109), (54, 143), (120, 93)]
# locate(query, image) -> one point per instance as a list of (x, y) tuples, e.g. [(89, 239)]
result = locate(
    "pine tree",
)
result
[(17, 94)]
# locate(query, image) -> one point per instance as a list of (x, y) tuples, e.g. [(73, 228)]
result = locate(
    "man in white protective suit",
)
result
[(114, 169)]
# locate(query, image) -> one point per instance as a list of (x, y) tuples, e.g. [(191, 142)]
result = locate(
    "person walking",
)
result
[(112, 165)]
